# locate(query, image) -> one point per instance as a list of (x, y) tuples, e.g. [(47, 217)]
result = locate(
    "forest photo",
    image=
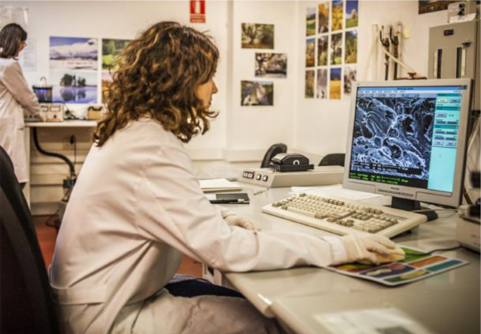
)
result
[(257, 36)]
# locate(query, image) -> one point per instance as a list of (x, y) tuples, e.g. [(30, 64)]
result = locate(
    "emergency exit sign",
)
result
[(197, 11)]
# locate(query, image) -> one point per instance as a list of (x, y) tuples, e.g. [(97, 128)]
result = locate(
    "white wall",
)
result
[(251, 130), (321, 125)]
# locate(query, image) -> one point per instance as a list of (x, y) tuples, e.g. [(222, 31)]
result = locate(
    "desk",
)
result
[(446, 303), (64, 124)]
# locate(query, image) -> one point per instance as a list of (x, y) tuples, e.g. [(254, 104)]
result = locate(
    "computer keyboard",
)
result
[(344, 217)]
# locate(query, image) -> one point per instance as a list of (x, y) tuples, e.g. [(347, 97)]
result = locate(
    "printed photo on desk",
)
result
[(416, 265)]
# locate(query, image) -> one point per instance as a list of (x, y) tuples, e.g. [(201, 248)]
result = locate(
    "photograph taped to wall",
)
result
[(257, 36), (311, 21), (310, 52), (322, 76), (111, 49), (74, 86), (73, 53), (257, 93), (271, 65), (350, 53), (336, 49), (322, 50), (106, 81), (429, 6), (337, 15), (350, 74), (352, 13), (309, 85), (335, 84), (323, 9)]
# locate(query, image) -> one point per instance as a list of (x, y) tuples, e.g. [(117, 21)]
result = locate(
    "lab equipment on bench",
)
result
[(292, 169), (319, 176)]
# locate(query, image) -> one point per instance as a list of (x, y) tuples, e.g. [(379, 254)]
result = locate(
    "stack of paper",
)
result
[(218, 185)]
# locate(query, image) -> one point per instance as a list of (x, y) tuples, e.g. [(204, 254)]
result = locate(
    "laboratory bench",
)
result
[(312, 300)]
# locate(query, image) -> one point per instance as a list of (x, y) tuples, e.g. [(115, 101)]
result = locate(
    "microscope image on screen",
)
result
[(393, 138)]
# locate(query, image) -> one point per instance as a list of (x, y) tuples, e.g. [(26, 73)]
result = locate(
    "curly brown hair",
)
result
[(158, 75)]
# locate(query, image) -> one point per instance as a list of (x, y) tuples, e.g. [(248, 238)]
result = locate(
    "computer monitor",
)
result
[(407, 139)]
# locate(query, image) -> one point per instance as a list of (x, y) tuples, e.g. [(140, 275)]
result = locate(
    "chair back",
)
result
[(333, 159), (272, 152), (27, 302)]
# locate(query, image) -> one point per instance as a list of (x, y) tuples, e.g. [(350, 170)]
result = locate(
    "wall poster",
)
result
[(271, 65), (321, 92), (257, 36), (337, 15), (309, 85), (350, 74), (73, 69), (257, 93), (336, 49), (335, 84), (311, 52), (111, 50), (352, 14), (350, 53), (323, 8), (322, 50), (311, 21)]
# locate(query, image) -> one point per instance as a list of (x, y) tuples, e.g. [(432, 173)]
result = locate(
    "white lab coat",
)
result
[(15, 94), (135, 208)]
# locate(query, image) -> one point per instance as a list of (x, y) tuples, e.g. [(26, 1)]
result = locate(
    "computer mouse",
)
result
[(397, 254)]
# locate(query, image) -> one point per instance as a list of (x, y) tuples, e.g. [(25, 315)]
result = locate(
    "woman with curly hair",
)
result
[(137, 207)]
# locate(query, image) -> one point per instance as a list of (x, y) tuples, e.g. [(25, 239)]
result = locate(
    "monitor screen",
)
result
[(408, 139)]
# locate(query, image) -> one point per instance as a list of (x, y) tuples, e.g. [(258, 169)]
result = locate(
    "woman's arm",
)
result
[(172, 208), (16, 84)]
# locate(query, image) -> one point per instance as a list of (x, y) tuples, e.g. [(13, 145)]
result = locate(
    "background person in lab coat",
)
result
[(137, 207), (15, 95)]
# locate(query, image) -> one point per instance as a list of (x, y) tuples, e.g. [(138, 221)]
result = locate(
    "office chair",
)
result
[(27, 302), (271, 153), (333, 159)]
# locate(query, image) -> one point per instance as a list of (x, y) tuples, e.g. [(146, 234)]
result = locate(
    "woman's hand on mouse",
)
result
[(365, 247)]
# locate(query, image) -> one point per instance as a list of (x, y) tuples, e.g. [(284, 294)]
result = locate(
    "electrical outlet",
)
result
[(67, 144)]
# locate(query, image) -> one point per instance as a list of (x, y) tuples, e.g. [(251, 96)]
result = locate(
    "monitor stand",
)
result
[(412, 205)]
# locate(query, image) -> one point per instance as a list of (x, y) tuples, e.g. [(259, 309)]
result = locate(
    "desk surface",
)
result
[(64, 124), (446, 303)]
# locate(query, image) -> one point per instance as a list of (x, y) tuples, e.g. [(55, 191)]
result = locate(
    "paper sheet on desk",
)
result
[(371, 321), (335, 191), (218, 185)]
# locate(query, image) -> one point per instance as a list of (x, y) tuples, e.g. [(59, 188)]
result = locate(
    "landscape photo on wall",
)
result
[(257, 36), (257, 93)]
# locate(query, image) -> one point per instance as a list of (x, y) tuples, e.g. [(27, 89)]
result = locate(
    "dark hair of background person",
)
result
[(10, 38), (157, 77)]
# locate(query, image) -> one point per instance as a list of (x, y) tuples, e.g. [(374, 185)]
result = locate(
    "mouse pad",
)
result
[(416, 265)]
